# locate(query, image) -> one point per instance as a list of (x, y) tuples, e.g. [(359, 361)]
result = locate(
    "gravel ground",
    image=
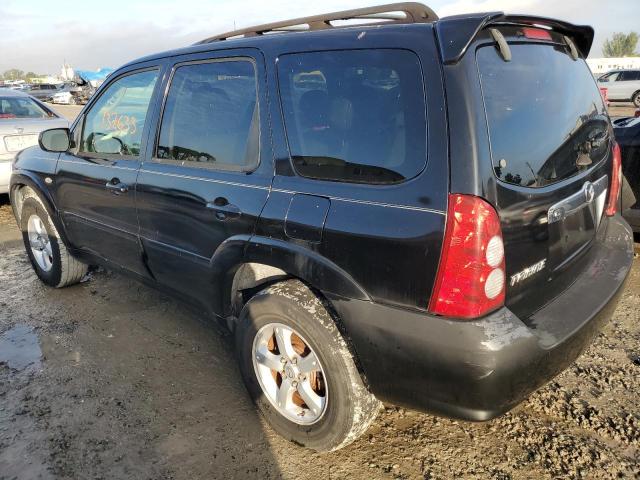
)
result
[(621, 109), (111, 380), (70, 112)]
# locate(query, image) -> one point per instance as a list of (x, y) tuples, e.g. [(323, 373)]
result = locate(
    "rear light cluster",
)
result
[(616, 181), (536, 33), (604, 92), (471, 275)]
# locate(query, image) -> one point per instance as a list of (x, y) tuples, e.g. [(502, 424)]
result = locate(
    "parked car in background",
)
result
[(20, 87), (44, 91), (383, 212), (65, 97), (22, 118), (627, 132), (622, 86)]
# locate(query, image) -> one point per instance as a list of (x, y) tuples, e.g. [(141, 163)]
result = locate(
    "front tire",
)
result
[(299, 371), (636, 99), (49, 257)]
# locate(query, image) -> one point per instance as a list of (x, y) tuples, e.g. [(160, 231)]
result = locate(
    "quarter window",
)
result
[(115, 122), (211, 116), (354, 116)]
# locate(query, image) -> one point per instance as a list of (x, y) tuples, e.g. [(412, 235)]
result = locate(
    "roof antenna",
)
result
[(503, 46)]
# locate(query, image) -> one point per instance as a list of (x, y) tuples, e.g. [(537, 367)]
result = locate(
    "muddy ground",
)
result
[(111, 380)]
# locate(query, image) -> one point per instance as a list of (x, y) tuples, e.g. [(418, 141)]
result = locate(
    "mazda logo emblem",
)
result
[(589, 192)]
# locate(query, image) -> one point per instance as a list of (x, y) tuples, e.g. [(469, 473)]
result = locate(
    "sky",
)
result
[(39, 35)]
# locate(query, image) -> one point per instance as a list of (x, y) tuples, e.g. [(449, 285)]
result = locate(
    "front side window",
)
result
[(211, 117), (115, 122), (354, 116), (610, 77)]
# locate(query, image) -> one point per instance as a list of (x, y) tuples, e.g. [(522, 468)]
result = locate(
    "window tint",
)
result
[(354, 116), (115, 122), (546, 117), (211, 116)]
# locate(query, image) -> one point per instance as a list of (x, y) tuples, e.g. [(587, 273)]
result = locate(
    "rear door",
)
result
[(550, 141), (208, 174), (361, 174)]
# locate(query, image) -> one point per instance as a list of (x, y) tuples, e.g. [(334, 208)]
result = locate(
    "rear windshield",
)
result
[(546, 117), (21, 107)]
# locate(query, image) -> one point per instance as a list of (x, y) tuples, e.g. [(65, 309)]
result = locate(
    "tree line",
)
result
[(621, 45), (16, 74)]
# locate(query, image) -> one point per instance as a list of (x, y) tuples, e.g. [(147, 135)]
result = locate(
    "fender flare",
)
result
[(25, 178), (296, 260)]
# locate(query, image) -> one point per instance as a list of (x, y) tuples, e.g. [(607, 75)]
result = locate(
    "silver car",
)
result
[(22, 118), (622, 86)]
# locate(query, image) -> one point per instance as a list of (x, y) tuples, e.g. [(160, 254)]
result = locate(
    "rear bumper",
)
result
[(477, 370), (5, 174)]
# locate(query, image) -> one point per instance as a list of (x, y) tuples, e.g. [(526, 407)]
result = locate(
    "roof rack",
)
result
[(406, 12)]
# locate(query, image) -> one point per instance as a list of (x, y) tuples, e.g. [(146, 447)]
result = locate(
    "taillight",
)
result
[(536, 33), (471, 274), (604, 92), (616, 181)]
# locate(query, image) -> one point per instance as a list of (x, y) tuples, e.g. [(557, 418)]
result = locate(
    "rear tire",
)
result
[(48, 254), (346, 409), (636, 99)]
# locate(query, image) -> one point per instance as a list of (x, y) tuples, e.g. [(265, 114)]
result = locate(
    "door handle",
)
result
[(223, 209), (116, 187)]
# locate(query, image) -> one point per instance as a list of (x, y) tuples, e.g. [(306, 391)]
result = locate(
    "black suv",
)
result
[(413, 210)]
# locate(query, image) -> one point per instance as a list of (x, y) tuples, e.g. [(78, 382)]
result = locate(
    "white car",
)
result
[(622, 86), (65, 98), (22, 118)]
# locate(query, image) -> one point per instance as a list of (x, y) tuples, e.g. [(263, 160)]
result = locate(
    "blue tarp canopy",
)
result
[(94, 75)]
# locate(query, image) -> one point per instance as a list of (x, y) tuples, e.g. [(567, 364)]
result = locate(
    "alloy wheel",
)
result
[(290, 373)]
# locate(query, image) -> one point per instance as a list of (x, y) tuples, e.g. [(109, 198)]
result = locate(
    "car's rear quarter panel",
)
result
[(387, 238)]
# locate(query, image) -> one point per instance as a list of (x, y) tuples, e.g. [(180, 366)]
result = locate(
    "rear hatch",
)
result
[(551, 148)]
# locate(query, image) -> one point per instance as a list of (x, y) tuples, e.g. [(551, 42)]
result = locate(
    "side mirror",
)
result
[(55, 140)]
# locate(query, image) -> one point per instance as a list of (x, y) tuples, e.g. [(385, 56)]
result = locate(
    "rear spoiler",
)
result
[(456, 33)]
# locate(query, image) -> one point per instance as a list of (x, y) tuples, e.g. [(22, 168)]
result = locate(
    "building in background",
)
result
[(599, 66), (66, 72)]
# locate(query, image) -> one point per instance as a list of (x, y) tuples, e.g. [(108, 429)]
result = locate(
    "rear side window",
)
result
[(211, 116), (629, 76), (354, 116), (545, 115)]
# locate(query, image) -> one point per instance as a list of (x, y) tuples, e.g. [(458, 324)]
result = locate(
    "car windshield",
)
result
[(21, 107)]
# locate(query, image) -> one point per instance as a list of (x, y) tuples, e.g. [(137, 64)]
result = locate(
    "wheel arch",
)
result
[(22, 183), (245, 262)]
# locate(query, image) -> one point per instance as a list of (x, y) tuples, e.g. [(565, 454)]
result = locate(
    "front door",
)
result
[(208, 175), (95, 180)]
